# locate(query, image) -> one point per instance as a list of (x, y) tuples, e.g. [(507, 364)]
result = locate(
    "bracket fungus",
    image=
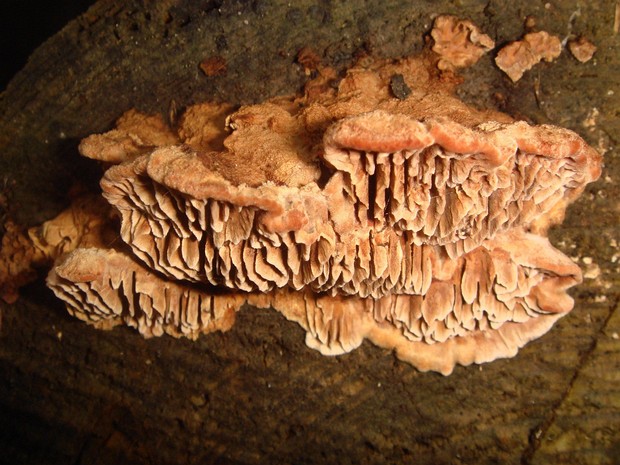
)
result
[(417, 223)]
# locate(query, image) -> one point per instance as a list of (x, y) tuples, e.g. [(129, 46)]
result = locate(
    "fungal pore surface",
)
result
[(406, 218)]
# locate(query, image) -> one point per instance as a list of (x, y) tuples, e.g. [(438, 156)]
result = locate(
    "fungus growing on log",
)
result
[(86, 223), (520, 56), (401, 190), (134, 134), (417, 223), (106, 288), (582, 49), (459, 43), (483, 306)]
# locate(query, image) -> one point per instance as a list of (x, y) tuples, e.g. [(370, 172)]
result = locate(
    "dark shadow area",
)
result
[(32, 439), (25, 24)]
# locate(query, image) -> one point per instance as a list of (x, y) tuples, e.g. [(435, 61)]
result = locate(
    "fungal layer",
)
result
[(413, 221), (403, 197), (512, 285)]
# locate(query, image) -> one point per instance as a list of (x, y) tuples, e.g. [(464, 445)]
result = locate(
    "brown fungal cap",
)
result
[(459, 43), (203, 126), (520, 56), (582, 49), (357, 211), (135, 133)]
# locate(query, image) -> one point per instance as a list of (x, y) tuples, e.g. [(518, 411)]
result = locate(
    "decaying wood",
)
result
[(254, 394)]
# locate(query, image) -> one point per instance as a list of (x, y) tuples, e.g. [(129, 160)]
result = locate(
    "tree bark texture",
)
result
[(257, 394)]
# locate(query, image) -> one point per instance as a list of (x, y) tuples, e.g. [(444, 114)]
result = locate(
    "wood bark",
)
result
[(257, 394)]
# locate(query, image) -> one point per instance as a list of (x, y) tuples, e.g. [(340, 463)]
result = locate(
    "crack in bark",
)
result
[(539, 432)]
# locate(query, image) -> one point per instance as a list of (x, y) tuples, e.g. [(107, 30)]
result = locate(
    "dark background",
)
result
[(25, 24)]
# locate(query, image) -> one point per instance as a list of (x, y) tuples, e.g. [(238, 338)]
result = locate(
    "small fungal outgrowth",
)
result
[(309, 59), (582, 49), (87, 222), (135, 133), (18, 261), (458, 42), (520, 56), (214, 66), (379, 207)]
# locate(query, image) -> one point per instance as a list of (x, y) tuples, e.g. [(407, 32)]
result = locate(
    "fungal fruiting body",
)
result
[(465, 315), (459, 43), (377, 226), (416, 222), (520, 56)]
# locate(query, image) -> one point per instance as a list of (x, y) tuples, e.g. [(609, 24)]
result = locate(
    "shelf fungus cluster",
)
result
[(413, 221)]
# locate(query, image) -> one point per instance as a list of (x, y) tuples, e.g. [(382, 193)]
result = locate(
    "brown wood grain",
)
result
[(257, 394)]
